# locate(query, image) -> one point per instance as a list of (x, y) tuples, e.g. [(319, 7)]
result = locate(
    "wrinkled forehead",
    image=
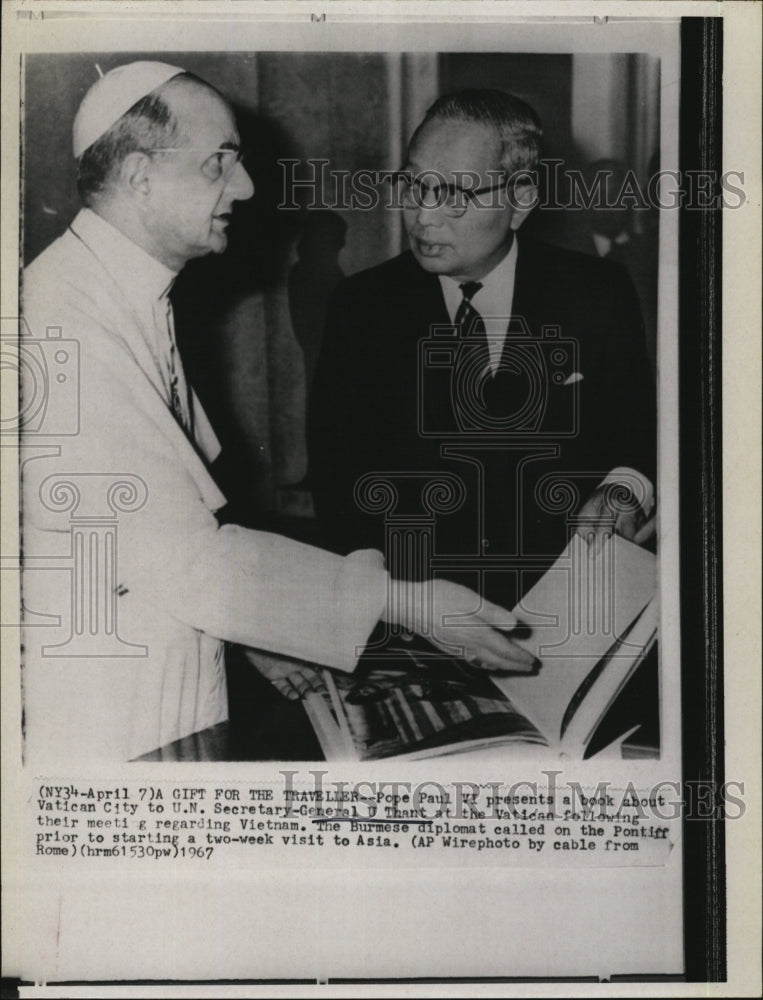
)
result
[(452, 147), (203, 116)]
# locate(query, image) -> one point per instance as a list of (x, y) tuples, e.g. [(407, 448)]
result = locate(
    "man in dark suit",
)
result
[(480, 396)]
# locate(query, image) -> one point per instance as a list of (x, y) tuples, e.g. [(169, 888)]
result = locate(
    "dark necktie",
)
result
[(487, 395), (471, 326)]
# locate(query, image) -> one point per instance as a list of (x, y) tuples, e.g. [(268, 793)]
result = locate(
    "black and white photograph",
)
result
[(365, 458), (424, 347)]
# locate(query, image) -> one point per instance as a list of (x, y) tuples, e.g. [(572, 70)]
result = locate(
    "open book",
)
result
[(589, 620)]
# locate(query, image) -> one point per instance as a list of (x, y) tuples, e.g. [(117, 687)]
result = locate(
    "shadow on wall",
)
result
[(312, 280), (222, 316), (616, 227)]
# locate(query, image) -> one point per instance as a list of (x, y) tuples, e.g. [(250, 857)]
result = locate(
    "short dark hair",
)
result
[(516, 124), (148, 124)]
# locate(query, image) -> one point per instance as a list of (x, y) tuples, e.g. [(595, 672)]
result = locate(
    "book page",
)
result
[(577, 612), (413, 704)]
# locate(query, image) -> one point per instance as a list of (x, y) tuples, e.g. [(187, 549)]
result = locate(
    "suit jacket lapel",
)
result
[(530, 286), (426, 302), (427, 312)]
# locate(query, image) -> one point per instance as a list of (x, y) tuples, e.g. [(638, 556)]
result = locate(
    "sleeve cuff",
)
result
[(640, 486), (360, 597)]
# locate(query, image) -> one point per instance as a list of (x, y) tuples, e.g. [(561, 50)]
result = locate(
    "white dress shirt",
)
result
[(493, 302)]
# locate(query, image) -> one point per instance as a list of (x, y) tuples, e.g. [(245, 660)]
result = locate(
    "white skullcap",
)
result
[(114, 94)]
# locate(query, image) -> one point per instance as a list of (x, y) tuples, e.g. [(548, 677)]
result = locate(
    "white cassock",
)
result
[(145, 563)]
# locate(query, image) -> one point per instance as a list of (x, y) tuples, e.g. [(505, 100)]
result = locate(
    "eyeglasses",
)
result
[(219, 164), (453, 200)]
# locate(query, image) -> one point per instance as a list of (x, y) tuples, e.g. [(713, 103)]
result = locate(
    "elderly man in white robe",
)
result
[(151, 585)]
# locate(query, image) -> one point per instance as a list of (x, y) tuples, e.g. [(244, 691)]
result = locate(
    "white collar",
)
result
[(604, 244), (495, 298), (493, 301), (142, 278)]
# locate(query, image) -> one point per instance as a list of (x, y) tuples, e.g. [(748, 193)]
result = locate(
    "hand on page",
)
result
[(291, 679), (458, 621), (612, 509)]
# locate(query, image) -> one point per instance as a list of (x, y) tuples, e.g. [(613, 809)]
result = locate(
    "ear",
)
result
[(135, 173), (524, 198)]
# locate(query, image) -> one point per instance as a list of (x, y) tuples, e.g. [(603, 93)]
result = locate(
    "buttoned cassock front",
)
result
[(184, 582)]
